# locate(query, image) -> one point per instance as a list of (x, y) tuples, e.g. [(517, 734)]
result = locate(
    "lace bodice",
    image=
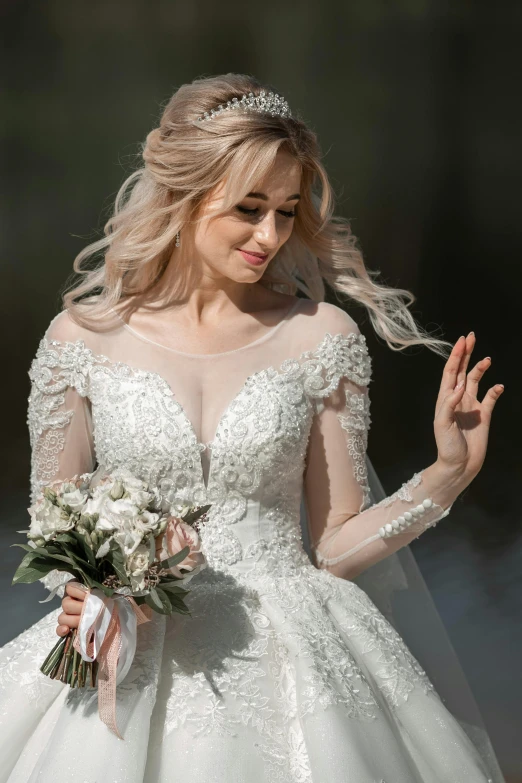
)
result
[(246, 430)]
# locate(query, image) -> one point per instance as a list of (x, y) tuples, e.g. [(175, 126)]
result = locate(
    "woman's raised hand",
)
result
[(72, 603), (461, 421)]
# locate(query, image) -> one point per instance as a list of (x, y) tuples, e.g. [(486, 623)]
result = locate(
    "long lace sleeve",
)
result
[(59, 423), (348, 535)]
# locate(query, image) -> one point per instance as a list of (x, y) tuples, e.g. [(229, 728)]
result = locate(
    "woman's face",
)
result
[(260, 224)]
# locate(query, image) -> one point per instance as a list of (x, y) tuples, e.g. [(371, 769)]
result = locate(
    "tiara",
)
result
[(265, 102)]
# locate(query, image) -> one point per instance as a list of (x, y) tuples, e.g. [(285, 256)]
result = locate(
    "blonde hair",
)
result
[(183, 161)]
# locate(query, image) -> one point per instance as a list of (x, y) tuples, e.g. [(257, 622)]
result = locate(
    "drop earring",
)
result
[(177, 243)]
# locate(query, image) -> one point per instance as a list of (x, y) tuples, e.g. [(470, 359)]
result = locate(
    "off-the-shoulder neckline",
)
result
[(293, 308)]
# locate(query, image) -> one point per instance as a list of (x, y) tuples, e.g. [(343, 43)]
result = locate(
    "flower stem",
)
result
[(74, 677), (60, 671), (54, 656)]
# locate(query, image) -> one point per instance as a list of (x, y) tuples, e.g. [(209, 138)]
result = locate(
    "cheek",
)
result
[(286, 231), (226, 233)]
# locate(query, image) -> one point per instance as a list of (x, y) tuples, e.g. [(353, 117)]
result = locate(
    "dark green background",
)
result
[(417, 108)]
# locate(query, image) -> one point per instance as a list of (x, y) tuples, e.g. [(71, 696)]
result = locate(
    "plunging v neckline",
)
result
[(137, 371)]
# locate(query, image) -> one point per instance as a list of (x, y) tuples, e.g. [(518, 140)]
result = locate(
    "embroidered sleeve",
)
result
[(348, 534), (59, 421)]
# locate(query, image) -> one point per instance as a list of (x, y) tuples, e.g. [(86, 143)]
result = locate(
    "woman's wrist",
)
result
[(443, 484)]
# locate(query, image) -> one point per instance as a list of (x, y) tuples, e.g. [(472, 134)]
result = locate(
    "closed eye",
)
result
[(256, 210)]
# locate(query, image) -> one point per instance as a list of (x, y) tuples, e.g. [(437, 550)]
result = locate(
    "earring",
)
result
[(177, 243)]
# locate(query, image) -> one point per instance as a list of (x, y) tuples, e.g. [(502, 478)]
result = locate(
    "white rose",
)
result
[(48, 519), (136, 565), (114, 514), (128, 538), (100, 495), (140, 498), (75, 499), (147, 522)]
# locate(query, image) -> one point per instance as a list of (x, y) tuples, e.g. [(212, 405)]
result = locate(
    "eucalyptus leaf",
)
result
[(175, 559), (178, 604), (193, 515), (173, 588), (165, 600), (154, 601)]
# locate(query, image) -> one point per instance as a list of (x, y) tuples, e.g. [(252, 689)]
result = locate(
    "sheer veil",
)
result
[(397, 587)]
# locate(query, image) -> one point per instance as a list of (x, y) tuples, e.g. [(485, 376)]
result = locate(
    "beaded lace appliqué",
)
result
[(261, 606), (357, 424)]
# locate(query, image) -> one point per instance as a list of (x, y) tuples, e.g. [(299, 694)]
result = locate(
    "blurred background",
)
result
[(417, 108)]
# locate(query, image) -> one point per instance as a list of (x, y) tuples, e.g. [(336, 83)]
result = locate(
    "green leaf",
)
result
[(64, 559), (173, 588), (38, 550), (25, 546), (84, 546), (107, 590), (66, 538), (27, 560), (76, 558), (117, 564), (193, 515), (175, 559), (178, 605), (29, 574), (165, 600), (154, 601)]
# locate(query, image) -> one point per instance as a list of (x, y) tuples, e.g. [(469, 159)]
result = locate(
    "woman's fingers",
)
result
[(476, 374), (70, 620), (71, 605), (451, 368), (73, 589), (490, 398), (468, 348), (446, 410), (72, 609)]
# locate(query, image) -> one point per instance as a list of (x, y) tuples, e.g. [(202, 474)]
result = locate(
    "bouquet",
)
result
[(131, 556)]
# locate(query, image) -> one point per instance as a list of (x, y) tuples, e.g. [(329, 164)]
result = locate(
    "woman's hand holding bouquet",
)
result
[(124, 551)]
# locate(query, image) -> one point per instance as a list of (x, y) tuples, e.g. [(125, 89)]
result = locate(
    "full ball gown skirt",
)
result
[(283, 672), (291, 678)]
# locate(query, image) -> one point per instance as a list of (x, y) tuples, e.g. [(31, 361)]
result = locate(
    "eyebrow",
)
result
[(264, 197)]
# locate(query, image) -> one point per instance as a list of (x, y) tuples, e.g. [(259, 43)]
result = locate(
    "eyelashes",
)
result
[(253, 212)]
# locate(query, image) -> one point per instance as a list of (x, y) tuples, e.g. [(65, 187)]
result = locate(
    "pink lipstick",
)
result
[(255, 260)]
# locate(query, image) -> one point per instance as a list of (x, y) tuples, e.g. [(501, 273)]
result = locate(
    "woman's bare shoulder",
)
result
[(328, 317)]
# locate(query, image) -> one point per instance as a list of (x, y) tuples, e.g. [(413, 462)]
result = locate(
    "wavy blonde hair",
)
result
[(183, 161)]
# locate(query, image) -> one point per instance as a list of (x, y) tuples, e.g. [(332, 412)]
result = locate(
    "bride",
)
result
[(201, 355)]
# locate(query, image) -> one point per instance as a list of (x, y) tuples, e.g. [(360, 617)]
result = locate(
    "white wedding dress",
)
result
[(285, 672)]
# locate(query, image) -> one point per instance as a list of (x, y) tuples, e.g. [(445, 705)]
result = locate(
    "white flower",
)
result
[(148, 522), (75, 499), (136, 565), (128, 538), (131, 482), (47, 520), (99, 496), (113, 514)]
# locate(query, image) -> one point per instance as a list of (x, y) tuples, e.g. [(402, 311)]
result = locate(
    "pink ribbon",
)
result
[(101, 640)]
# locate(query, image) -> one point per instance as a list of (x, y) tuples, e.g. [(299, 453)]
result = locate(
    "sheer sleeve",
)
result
[(348, 535), (58, 419)]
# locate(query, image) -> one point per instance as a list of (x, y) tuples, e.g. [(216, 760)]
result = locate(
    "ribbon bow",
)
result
[(107, 632)]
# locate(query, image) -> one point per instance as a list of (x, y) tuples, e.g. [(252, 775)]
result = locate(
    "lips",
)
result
[(252, 253), (255, 259)]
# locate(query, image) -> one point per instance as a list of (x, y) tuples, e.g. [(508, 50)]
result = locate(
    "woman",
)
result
[(187, 357)]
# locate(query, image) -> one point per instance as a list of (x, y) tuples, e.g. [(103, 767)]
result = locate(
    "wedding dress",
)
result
[(285, 671)]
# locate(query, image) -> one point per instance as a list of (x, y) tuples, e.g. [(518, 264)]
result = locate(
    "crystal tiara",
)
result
[(265, 102)]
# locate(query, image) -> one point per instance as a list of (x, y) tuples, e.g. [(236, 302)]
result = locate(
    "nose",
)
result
[(266, 232)]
